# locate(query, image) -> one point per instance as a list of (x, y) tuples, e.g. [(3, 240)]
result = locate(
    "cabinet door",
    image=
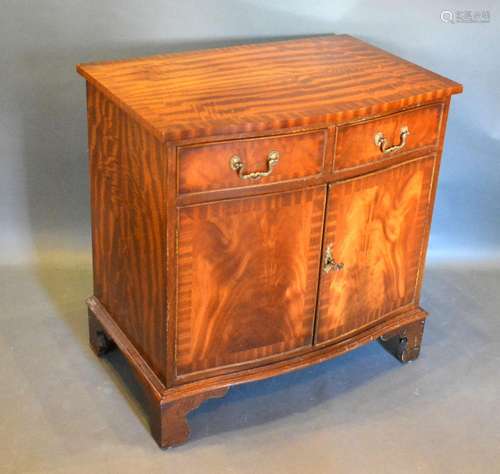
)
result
[(375, 231), (247, 278)]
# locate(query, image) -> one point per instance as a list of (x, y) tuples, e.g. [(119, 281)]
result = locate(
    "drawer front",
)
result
[(250, 162), (380, 139)]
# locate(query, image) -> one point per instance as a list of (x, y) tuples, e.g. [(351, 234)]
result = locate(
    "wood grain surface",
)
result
[(128, 225), (376, 225), (355, 144), (265, 86), (247, 278), (206, 167)]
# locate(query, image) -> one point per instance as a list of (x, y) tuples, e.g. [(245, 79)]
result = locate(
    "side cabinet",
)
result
[(258, 209)]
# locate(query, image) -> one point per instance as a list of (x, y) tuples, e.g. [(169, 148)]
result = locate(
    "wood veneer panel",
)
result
[(247, 278), (206, 167), (265, 86), (376, 226), (355, 144), (128, 227)]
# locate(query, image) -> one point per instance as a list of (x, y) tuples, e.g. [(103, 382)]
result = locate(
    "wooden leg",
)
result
[(100, 342), (404, 343), (169, 425)]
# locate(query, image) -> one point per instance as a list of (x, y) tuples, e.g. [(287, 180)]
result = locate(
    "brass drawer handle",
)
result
[(237, 165), (329, 263), (381, 141)]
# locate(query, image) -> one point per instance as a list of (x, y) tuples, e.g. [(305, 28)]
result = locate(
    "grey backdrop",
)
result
[(43, 180)]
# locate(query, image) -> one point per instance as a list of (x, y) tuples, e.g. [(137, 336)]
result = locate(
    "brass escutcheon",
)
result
[(329, 263)]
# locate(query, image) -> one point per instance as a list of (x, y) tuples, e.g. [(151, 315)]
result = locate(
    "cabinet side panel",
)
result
[(127, 175)]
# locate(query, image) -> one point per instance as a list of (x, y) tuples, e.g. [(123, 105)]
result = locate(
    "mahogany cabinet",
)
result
[(257, 209)]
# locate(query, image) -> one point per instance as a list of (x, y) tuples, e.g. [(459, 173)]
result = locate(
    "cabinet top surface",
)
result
[(259, 87)]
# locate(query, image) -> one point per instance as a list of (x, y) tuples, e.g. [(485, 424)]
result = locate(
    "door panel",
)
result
[(247, 278), (375, 227)]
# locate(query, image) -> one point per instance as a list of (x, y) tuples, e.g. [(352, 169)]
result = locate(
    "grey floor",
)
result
[(62, 410)]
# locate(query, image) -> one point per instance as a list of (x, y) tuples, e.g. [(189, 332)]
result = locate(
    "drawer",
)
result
[(375, 140), (250, 162)]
